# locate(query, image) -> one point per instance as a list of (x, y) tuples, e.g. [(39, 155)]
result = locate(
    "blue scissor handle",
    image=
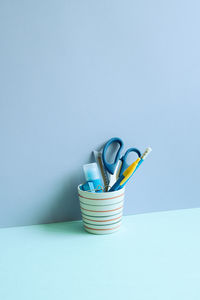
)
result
[(111, 167), (125, 165)]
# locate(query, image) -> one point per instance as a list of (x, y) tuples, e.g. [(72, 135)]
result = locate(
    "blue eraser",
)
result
[(88, 187)]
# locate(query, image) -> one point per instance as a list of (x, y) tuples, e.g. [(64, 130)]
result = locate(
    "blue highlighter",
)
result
[(92, 176)]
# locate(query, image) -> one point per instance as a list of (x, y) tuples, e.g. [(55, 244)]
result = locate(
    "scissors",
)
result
[(120, 164)]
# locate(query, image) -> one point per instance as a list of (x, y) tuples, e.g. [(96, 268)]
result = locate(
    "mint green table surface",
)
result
[(153, 256)]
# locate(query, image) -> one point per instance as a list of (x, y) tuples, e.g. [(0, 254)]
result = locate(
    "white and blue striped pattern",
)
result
[(101, 212)]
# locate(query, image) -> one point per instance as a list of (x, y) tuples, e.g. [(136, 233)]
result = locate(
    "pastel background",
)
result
[(74, 74)]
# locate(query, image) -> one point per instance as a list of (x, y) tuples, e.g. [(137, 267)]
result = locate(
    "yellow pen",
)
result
[(129, 171), (125, 176)]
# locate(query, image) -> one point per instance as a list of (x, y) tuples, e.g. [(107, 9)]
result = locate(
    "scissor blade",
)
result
[(113, 178)]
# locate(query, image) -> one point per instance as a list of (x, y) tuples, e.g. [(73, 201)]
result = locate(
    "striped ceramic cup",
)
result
[(101, 212)]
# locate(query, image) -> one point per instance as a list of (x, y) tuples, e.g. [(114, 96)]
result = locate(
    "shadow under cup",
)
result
[(101, 212)]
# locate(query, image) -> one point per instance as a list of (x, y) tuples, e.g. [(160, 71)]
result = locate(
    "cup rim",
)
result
[(102, 193)]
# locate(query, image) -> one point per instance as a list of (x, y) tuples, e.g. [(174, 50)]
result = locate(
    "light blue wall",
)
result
[(75, 73)]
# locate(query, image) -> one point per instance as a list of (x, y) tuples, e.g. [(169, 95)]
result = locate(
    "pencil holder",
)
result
[(101, 212)]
